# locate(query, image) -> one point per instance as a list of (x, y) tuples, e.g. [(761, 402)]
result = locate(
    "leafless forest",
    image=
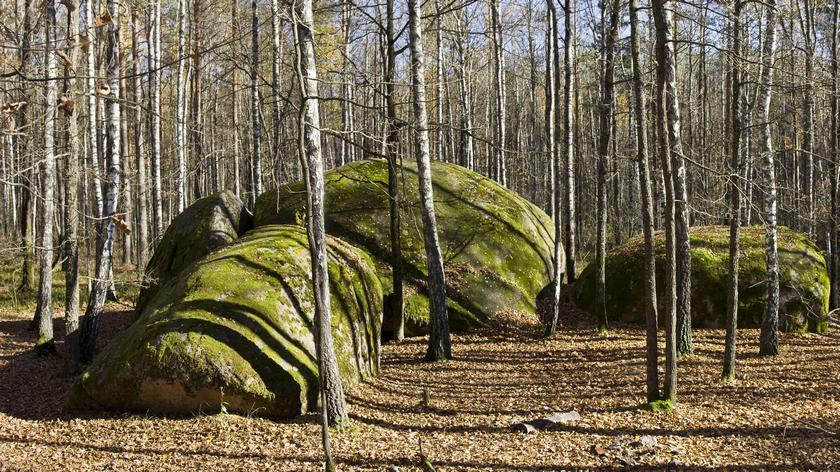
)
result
[(439, 190)]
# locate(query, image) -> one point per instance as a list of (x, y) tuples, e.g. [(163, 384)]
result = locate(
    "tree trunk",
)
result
[(139, 149), (605, 142), (464, 73), (99, 290), (499, 83), (652, 350), (93, 109), (43, 314), (552, 69), (197, 104), (24, 148), (736, 120), (569, 91), (255, 105), (681, 216), (834, 297), (276, 81), (181, 109), (234, 84), (156, 134), (440, 80), (665, 73), (806, 24), (770, 322), (71, 299), (392, 149), (439, 343), (332, 394)]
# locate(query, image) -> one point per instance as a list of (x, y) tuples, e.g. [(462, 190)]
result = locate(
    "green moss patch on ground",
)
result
[(496, 245), (804, 284), (235, 330)]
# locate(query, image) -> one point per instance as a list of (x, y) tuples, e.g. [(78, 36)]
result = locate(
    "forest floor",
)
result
[(782, 414)]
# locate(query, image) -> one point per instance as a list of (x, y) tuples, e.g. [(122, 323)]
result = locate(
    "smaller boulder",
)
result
[(803, 280), (205, 226)]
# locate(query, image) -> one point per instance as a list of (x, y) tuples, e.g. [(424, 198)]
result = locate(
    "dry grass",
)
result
[(782, 414)]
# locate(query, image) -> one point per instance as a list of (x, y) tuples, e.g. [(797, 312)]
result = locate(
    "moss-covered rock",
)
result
[(496, 245), (236, 330), (208, 224), (804, 284)]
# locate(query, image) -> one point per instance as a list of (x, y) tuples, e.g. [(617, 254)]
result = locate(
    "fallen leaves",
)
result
[(773, 417)]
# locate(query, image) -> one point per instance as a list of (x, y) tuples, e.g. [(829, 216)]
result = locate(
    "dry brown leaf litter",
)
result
[(783, 413)]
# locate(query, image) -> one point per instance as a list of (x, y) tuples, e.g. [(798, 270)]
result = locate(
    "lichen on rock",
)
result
[(235, 330), (803, 280), (496, 245), (208, 224)]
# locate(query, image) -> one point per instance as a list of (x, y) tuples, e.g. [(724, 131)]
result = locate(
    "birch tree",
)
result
[(156, 134), (181, 110), (139, 148), (736, 120), (276, 81), (392, 146), (256, 170), (604, 144), (234, 88), (43, 315), (552, 90), (769, 344), (665, 124), (74, 92), (569, 91), (334, 407), (639, 108), (105, 243), (499, 171), (440, 346)]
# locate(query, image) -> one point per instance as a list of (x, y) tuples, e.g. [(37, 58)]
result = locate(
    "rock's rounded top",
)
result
[(235, 330), (496, 245), (804, 284), (208, 224)]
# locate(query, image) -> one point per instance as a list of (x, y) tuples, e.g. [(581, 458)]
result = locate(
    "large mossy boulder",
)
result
[(496, 246), (235, 330), (804, 284), (208, 224)]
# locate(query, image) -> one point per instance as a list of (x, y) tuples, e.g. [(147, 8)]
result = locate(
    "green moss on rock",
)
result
[(804, 283), (236, 329), (496, 245), (205, 226)]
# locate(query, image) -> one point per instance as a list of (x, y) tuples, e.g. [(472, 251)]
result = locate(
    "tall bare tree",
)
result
[(440, 346), (181, 108), (139, 148), (256, 168), (334, 407), (569, 91), (770, 322), (105, 243), (499, 170), (736, 120), (667, 117), (392, 146), (74, 92), (640, 113), (156, 133), (605, 142), (43, 315), (552, 90)]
